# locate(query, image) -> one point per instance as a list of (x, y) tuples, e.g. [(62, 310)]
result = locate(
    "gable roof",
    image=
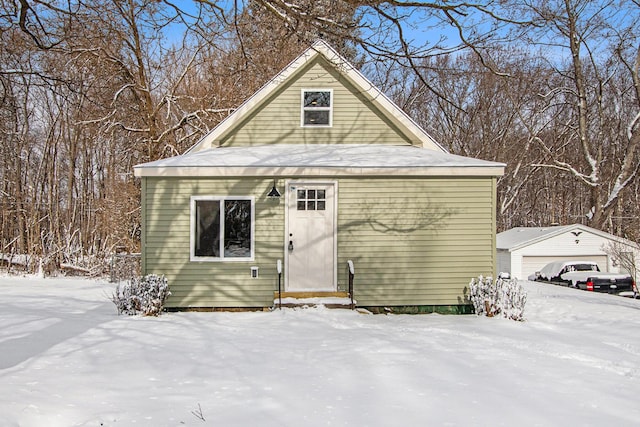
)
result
[(520, 237), (390, 110), (319, 160)]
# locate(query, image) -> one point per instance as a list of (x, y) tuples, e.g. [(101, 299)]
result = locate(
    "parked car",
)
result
[(586, 275), (553, 271), (601, 282)]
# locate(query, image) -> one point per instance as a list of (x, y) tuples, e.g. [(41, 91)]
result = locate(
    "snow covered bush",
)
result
[(145, 295), (504, 297)]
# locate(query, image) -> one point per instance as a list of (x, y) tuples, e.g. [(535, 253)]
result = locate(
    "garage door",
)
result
[(531, 264)]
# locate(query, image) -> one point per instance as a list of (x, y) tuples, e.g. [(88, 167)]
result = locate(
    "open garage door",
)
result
[(531, 264)]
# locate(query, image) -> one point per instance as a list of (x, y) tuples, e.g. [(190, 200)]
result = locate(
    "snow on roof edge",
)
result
[(359, 156), (553, 230)]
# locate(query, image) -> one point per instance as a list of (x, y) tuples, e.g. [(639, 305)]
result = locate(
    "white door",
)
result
[(310, 243)]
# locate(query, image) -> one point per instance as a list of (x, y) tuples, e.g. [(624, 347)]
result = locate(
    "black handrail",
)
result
[(352, 272), (279, 269)]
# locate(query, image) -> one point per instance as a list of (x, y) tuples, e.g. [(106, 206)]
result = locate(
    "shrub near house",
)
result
[(146, 295)]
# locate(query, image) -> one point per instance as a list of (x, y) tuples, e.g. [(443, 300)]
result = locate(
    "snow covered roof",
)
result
[(424, 157), (319, 159), (320, 48), (520, 237)]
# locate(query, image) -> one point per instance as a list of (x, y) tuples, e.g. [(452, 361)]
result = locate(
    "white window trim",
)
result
[(303, 109), (192, 230)]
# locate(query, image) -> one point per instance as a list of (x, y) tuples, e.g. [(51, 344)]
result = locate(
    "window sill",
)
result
[(210, 259)]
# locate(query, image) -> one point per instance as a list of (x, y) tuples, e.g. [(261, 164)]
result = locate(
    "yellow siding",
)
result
[(355, 119), (414, 241), (166, 213)]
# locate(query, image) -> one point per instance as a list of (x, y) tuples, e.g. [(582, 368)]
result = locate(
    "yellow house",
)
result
[(316, 169)]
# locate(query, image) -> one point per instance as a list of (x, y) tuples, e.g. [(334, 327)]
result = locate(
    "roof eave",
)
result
[(388, 107), (415, 133), (564, 229), (536, 239), (253, 101), (248, 171)]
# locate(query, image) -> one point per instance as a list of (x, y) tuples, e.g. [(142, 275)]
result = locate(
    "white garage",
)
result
[(524, 250)]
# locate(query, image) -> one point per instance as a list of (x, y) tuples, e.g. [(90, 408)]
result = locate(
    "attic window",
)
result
[(317, 106)]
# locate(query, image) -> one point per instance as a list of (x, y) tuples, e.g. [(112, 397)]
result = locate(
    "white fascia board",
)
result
[(385, 105), (565, 229), (301, 171), (255, 100), (600, 233)]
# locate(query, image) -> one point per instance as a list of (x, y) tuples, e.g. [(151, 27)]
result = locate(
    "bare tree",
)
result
[(625, 254), (87, 96), (89, 89), (577, 140)]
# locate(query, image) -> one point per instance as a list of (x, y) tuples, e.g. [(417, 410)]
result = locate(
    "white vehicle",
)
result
[(586, 275), (552, 272)]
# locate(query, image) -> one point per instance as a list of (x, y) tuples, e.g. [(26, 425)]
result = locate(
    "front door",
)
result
[(310, 243)]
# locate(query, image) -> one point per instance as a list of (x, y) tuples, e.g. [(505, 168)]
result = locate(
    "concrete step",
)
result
[(311, 299)]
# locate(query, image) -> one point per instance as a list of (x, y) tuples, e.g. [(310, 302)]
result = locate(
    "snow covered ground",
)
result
[(67, 359)]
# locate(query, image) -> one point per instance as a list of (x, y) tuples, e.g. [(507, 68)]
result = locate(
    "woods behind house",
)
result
[(89, 89)]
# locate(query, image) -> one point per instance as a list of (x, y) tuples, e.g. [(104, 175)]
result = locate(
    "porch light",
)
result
[(274, 193)]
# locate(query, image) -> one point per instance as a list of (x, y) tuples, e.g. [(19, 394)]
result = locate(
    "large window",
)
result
[(317, 107), (222, 228)]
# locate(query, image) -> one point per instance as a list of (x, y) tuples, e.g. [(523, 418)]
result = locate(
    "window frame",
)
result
[(193, 224), (315, 202), (304, 109)]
